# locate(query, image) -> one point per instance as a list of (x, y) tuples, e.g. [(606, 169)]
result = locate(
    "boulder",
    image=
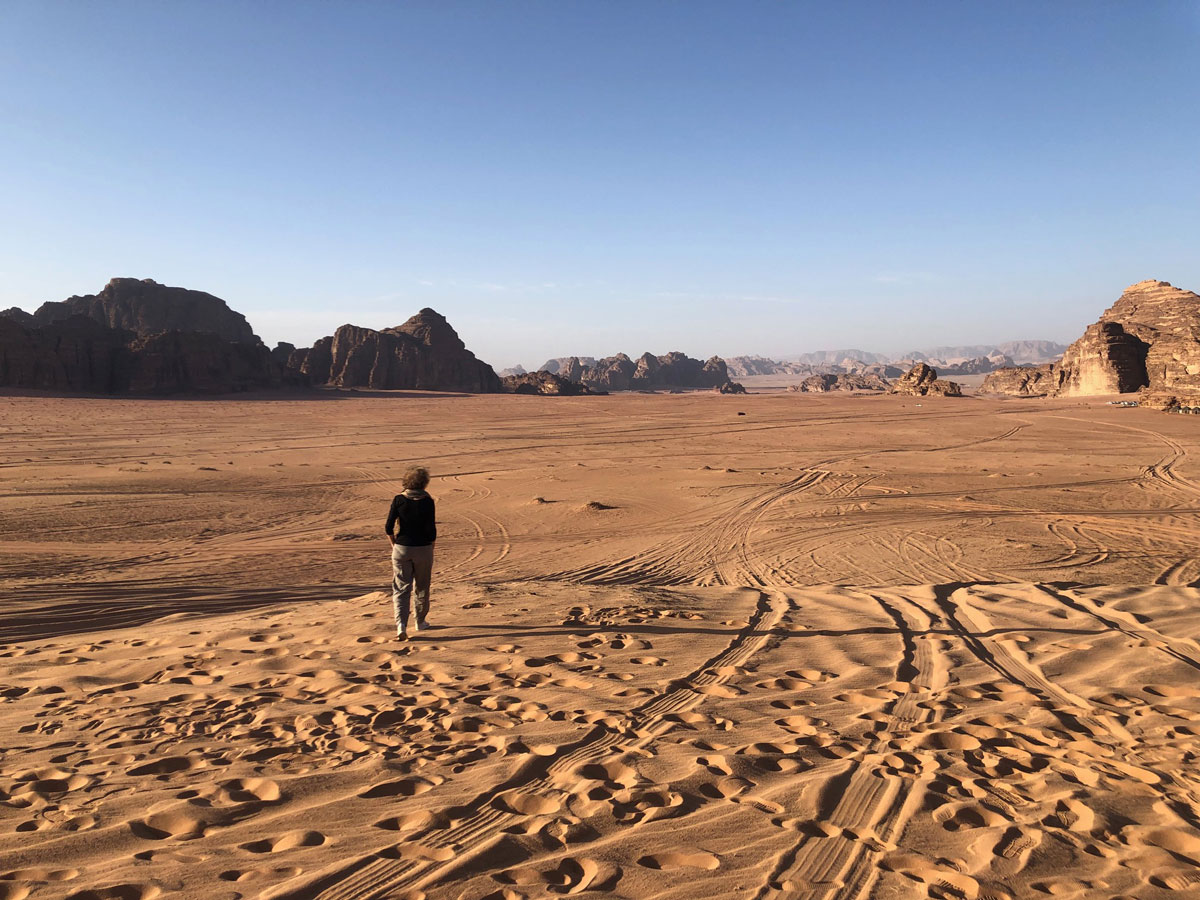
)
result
[(730, 387), (921, 381), (425, 353)]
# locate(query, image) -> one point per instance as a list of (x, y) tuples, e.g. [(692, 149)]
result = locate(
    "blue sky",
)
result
[(588, 177)]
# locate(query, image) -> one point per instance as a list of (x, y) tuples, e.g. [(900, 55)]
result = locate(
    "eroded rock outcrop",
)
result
[(922, 381), (544, 383), (1024, 381), (425, 353), (647, 372), (1149, 341), (730, 387), (824, 383)]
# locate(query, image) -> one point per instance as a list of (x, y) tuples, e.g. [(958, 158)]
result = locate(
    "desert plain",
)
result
[(763, 646)]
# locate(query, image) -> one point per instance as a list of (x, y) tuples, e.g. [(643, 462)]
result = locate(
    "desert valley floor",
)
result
[(771, 646)]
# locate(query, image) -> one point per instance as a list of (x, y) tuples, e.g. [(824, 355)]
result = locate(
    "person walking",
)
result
[(412, 517)]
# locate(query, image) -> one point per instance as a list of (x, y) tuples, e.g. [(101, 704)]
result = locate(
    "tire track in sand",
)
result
[(371, 875), (863, 813)]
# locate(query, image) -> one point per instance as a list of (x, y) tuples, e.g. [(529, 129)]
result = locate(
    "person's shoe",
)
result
[(401, 634), (422, 625)]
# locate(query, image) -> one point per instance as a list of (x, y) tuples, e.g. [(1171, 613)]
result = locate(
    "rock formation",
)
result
[(1149, 341), (424, 353), (513, 370), (647, 372), (136, 336), (556, 366), (18, 315), (146, 307), (977, 365), (544, 383), (921, 381), (820, 384), (1024, 381), (730, 387)]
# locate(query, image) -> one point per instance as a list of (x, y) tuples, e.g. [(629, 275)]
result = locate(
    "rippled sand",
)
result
[(835, 647)]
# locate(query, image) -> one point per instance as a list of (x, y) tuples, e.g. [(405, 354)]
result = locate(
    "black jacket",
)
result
[(413, 518)]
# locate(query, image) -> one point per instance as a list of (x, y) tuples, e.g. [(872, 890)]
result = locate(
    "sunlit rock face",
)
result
[(922, 381), (1149, 340)]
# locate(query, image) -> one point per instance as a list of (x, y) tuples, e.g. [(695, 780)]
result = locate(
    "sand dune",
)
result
[(847, 647)]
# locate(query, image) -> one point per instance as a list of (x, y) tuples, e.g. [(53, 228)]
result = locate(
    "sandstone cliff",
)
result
[(1148, 340), (921, 381), (424, 353), (135, 336), (146, 307)]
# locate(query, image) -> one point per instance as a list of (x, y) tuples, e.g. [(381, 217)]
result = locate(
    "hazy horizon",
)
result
[(562, 178)]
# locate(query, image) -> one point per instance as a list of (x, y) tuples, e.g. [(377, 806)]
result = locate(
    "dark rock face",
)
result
[(75, 354), (424, 353), (730, 387), (193, 362), (136, 336), (820, 384), (544, 383), (146, 307), (921, 381), (18, 315)]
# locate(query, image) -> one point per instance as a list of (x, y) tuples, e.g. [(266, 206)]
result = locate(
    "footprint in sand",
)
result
[(178, 824), (243, 875), (249, 790), (413, 821), (528, 804), (118, 892), (287, 841), (571, 876), (680, 859), (405, 787)]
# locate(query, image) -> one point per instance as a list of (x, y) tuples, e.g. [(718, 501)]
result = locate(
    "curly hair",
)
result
[(415, 479)]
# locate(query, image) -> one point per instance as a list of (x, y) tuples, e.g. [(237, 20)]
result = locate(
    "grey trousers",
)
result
[(411, 566)]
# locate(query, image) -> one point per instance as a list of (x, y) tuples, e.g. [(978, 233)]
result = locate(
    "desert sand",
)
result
[(766, 646)]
